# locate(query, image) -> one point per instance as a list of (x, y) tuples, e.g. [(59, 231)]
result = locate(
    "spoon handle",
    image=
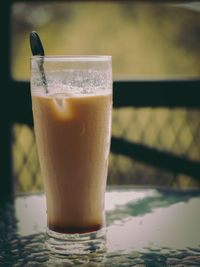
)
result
[(38, 50)]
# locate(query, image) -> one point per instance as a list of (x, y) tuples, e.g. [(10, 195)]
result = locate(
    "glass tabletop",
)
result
[(145, 227)]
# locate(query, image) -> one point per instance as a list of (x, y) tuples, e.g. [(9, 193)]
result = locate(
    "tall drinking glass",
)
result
[(72, 108)]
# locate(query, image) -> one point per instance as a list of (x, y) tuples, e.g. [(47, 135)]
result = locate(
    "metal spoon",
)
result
[(38, 50)]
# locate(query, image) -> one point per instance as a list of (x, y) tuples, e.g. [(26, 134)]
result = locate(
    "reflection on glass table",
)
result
[(145, 227)]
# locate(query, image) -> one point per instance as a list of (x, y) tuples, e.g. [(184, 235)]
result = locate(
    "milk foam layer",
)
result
[(76, 81)]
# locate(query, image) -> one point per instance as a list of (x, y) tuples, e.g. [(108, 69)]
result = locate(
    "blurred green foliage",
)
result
[(143, 39)]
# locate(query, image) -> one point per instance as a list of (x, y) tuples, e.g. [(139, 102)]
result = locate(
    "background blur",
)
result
[(145, 41)]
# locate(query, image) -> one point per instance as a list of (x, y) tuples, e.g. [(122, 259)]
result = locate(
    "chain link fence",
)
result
[(174, 130)]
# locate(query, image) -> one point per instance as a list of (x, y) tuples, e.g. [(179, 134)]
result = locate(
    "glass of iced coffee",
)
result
[(72, 108)]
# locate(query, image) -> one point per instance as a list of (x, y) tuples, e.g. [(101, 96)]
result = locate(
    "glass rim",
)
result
[(74, 58)]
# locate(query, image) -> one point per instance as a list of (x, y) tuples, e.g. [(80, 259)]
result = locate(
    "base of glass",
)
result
[(76, 243)]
